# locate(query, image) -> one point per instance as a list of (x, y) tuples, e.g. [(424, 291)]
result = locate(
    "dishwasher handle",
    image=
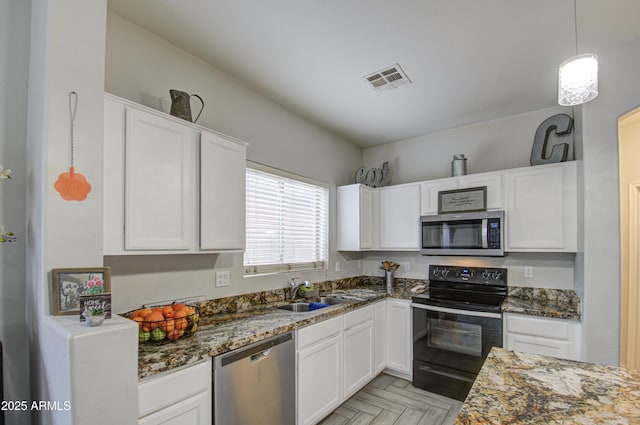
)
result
[(254, 352)]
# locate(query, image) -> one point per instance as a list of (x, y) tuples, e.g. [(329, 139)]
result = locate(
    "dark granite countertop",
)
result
[(523, 389), (224, 332), (554, 303), (230, 323)]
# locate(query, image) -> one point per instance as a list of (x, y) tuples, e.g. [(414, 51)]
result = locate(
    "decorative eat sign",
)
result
[(374, 177)]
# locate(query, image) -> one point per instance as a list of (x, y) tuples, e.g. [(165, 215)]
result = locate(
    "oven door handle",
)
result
[(460, 312)]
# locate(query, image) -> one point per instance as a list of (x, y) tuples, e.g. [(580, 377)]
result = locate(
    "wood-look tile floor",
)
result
[(388, 400)]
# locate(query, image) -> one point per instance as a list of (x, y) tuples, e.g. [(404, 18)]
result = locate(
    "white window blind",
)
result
[(286, 226)]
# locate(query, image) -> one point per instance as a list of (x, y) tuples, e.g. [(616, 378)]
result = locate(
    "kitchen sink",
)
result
[(295, 307), (301, 307)]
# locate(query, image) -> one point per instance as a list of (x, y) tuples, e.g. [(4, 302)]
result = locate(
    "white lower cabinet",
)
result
[(177, 398), (359, 352), (541, 335), (380, 332), (398, 337), (320, 370)]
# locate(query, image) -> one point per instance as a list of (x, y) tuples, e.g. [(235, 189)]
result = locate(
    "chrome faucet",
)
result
[(296, 286)]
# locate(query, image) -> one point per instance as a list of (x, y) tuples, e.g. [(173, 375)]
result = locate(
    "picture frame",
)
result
[(469, 199), (69, 283)]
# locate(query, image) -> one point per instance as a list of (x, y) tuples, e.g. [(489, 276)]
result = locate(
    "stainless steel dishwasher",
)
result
[(255, 385)]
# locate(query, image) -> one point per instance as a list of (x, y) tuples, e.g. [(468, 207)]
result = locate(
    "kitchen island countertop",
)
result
[(518, 388)]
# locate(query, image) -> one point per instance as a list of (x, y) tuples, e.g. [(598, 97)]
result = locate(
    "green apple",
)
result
[(158, 334), (144, 336)]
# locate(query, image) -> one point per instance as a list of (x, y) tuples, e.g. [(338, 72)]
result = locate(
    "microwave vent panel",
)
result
[(388, 78)]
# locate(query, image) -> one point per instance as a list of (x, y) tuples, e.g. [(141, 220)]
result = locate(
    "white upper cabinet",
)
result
[(399, 217), (169, 186), (429, 194), (160, 183), (222, 193), (355, 218), (493, 180), (542, 208)]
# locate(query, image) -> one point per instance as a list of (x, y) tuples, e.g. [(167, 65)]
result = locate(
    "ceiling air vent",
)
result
[(388, 78)]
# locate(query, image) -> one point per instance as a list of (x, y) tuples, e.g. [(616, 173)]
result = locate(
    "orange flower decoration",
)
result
[(72, 186)]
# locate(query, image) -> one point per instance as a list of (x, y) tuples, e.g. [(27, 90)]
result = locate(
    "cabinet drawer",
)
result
[(544, 327), (159, 392), (318, 331), (355, 317)]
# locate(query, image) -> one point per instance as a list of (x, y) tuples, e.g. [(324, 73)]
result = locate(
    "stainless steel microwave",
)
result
[(472, 233)]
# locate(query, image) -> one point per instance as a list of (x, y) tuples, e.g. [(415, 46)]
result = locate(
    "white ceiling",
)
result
[(469, 60)]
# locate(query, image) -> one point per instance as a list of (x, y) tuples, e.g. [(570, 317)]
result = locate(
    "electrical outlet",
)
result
[(528, 272), (359, 264), (223, 278), (337, 266), (406, 266)]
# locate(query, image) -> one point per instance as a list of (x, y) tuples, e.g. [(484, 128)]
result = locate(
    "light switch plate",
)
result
[(223, 278), (337, 266)]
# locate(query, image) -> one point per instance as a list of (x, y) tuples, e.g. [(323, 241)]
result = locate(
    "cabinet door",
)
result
[(380, 332), (493, 181), (222, 193), (354, 218), (542, 335), (195, 410), (319, 379), (160, 183), (542, 208), (429, 194), (399, 336), (399, 217), (538, 345), (358, 349)]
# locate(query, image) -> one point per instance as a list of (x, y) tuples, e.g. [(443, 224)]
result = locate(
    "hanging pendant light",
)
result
[(578, 76)]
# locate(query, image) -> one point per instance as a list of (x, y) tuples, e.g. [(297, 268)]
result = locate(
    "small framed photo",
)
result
[(70, 284), (462, 200), (96, 304)]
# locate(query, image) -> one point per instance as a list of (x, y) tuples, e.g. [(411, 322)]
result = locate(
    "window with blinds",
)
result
[(286, 226)]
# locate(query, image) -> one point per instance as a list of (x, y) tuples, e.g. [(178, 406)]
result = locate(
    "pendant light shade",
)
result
[(578, 80)]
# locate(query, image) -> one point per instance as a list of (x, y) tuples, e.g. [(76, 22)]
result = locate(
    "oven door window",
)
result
[(457, 337), (457, 341)]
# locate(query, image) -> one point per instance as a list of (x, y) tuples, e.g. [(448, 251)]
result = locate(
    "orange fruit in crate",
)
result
[(166, 310), (169, 314), (145, 312), (146, 328), (181, 323), (135, 314), (180, 313), (153, 320), (139, 320), (167, 325), (178, 306)]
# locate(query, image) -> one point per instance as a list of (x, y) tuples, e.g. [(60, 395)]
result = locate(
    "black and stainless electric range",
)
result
[(455, 324)]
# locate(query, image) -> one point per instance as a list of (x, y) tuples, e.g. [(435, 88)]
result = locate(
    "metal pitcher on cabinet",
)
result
[(181, 105)]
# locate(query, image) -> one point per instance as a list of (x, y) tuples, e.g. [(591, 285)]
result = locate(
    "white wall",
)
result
[(67, 54), (142, 67), (14, 65), (489, 146), (619, 94)]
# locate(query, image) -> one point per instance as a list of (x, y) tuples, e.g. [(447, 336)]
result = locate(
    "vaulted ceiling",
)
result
[(467, 60)]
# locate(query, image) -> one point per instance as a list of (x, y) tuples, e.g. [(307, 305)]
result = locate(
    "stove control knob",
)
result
[(485, 275), (436, 272), (496, 275)]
